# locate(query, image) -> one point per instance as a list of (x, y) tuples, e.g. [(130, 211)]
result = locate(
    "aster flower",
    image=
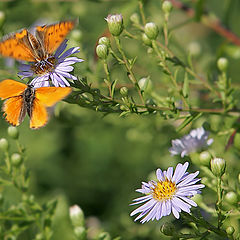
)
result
[(56, 69), (195, 140), (170, 193)]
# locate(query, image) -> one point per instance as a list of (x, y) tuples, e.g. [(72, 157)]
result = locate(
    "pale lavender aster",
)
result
[(195, 140), (55, 69), (170, 193)]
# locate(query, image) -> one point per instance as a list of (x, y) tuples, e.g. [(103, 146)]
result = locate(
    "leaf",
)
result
[(176, 61), (188, 120), (113, 85)]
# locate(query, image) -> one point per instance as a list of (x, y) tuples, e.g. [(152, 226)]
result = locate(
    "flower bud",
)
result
[(167, 7), (222, 64), (230, 230), (16, 159), (124, 91), (145, 84), (151, 30), (135, 18), (205, 158), (76, 34), (102, 51), (13, 132), (2, 18), (115, 24), (167, 229), (104, 236), (80, 232), (231, 197), (194, 48), (4, 144), (77, 216), (218, 166), (146, 40), (104, 41)]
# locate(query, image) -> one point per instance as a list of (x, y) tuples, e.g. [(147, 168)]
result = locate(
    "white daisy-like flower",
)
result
[(170, 193), (55, 69), (195, 140)]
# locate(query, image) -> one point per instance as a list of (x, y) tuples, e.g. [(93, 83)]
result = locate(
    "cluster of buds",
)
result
[(102, 48)]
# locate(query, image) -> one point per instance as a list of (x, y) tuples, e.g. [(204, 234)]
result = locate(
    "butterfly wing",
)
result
[(10, 88), (17, 46), (39, 116), (14, 110), (51, 36), (51, 95), (45, 97)]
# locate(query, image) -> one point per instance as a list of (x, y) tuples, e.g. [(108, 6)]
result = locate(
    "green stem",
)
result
[(108, 76), (129, 69), (219, 201), (7, 161), (140, 4)]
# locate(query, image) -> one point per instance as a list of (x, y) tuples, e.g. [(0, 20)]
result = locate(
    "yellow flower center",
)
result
[(164, 190)]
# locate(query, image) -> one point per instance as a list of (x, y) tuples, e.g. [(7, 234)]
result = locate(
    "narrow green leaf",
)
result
[(188, 120), (113, 85)]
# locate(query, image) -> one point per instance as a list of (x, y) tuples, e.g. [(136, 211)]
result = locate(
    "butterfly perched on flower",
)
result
[(21, 99), (37, 48)]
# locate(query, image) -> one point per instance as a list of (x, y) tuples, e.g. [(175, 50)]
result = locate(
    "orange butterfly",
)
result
[(27, 47), (22, 99)]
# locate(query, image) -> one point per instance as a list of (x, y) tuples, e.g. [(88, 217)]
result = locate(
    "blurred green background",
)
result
[(83, 157)]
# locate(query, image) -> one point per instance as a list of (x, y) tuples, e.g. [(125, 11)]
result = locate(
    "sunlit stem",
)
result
[(165, 28), (7, 161), (129, 69), (140, 4), (219, 201)]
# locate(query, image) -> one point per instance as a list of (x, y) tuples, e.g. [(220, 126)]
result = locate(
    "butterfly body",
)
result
[(21, 99)]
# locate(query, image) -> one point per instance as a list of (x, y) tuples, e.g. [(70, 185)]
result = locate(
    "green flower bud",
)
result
[(222, 64), (4, 144), (13, 132), (104, 236), (104, 41), (167, 7), (135, 18), (230, 230), (124, 91), (80, 232), (145, 84), (218, 166), (76, 35), (167, 229), (102, 51), (2, 18), (16, 159), (77, 216), (115, 24), (205, 158), (146, 40), (231, 197), (151, 30)]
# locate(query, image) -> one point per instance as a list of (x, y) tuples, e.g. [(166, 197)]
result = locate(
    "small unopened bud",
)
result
[(2, 18), (218, 166), (151, 30), (146, 40), (16, 159), (167, 7), (135, 18), (104, 236), (4, 144), (230, 230), (76, 34), (80, 232), (104, 41), (222, 64), (145, 84), (115, 24), (102, 51), (231, 197), (205, 158), (124, 91), (13, 132), (77, 216), (167, 229)]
